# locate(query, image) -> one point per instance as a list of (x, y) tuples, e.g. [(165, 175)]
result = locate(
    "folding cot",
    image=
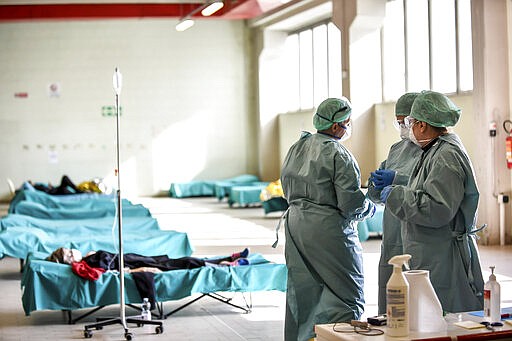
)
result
[(245, 195), (70, 226), (38, 210), (17, 242), (223, 188), (91, 201), (275, 205), (51, 286), (196, 188), (272, 198)]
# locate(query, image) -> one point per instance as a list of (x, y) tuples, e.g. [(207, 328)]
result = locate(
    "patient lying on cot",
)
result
[(96, 262), (142, 268)]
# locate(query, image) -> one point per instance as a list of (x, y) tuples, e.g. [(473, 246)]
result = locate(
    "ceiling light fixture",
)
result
[(184, 24), (207, 9), (212, 8)]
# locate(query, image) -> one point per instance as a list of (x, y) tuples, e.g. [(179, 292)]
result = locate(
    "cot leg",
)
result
[(184, 306), (248, 305), (226, 300), (218, 297), (160, 307), (70, 318)]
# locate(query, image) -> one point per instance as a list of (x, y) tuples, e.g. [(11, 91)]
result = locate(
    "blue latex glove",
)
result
[(382, 178), (384, 194)]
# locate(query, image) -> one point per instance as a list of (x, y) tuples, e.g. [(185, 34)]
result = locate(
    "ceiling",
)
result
[(19, 10)]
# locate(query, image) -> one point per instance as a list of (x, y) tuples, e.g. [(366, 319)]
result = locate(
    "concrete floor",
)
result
[(213, 229)]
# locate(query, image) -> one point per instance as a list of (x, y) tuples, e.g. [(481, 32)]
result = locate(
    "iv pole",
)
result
[(117, 80)]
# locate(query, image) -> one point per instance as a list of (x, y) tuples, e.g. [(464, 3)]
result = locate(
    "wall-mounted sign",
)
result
[(110, 110), (53, 157), (54, 90), (21, 94)]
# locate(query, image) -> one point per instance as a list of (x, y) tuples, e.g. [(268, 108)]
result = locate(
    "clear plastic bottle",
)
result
[(492, 310), (146, 309), (397, 298)]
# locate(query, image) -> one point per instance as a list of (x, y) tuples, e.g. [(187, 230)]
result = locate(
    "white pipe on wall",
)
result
[(501, 201)]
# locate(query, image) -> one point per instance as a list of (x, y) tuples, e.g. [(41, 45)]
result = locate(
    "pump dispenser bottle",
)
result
[(492, 311), (397, 298)]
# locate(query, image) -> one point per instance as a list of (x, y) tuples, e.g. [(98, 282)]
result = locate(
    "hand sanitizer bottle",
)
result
[(397, 298), (492, 311)]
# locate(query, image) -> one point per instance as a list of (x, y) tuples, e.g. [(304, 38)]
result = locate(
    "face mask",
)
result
[(413, 138), (348, 133), (417, 142), (404, 133)]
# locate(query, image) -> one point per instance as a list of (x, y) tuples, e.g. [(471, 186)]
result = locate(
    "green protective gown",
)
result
[(402, 157), (321, 182), (438, 214)]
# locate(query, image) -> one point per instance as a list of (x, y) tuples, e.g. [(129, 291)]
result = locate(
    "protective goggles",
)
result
[(398, 124), (409, 122)]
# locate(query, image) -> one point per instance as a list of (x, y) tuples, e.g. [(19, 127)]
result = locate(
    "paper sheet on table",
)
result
[(469, 325)]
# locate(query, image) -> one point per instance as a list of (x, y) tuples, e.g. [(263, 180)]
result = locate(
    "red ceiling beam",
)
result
[(112, 11)]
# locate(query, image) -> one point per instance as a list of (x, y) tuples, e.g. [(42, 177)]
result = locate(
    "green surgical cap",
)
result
[(436, 109), (404, 104), (330, 111)]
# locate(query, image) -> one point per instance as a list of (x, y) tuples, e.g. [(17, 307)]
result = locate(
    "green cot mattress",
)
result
[(38, 210), (20, 235), (89, 201)]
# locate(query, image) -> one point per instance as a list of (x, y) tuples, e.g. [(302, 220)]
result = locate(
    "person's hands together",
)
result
[(382, 178), (384, 194)]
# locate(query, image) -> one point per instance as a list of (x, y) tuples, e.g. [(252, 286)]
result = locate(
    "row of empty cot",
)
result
[(241, 191), (245, 190)]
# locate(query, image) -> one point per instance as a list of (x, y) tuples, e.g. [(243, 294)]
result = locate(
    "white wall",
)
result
[(184, 101)]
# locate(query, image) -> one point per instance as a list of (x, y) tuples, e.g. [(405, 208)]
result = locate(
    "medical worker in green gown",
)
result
[(321, 182), (438, 206), (396, 169)]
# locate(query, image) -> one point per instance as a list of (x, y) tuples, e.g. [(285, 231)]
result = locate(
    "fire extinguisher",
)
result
[(508, 143)]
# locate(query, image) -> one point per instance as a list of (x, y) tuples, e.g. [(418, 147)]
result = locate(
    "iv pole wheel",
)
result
[(87, 334), (128, 336), (159, 329)]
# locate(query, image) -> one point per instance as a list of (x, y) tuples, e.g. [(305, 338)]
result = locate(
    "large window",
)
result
[(393, 51), (313, 63), (444, 46), (465, 45), (426, 44)]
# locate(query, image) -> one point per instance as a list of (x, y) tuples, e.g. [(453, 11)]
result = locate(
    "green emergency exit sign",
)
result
[(110, 110)]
